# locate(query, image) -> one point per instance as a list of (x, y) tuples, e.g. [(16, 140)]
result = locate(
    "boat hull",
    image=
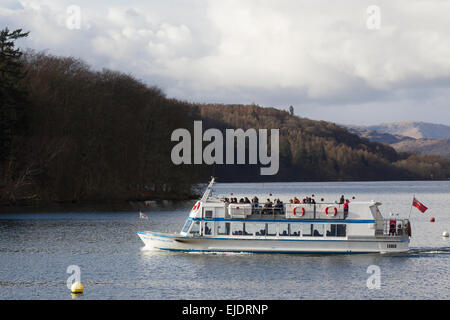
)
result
[(173, 242)]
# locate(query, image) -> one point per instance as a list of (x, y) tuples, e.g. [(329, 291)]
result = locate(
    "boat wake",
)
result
[(424, 251)]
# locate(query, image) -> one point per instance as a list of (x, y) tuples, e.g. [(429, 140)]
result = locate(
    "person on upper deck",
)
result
[(296, 200), (341, 201), (246, 200), (346, 206), (255, 200), (268, 204), (278, 204)]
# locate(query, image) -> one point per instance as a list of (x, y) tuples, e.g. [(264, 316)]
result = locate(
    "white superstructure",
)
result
[(217, 226)]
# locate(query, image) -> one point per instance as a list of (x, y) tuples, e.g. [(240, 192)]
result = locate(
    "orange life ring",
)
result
[(335, 211)]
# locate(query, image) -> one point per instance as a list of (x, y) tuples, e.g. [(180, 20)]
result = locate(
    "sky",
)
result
[(351, 62)]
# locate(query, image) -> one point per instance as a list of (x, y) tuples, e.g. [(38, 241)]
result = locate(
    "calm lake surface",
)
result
[(37, 246)]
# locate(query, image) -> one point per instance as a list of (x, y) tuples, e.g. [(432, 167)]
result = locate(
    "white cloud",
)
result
[(314, 55)]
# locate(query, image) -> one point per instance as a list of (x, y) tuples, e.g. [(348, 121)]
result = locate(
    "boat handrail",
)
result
[(390, 227)]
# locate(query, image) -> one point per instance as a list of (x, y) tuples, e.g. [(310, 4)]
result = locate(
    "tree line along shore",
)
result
[(70, 133)]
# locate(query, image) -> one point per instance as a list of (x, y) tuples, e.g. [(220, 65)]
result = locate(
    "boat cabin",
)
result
[(219, 219)]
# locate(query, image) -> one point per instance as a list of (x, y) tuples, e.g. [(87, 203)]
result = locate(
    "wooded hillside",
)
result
[(70, 133)]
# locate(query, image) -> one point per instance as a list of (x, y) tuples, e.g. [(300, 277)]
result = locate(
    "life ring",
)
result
[(335, 211), (196, 206), (294, 211)]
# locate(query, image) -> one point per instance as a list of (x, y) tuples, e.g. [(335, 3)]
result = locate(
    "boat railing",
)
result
[(393, 228), (281, 209), (261, 209)]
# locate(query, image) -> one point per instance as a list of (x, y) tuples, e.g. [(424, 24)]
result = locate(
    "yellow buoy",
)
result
[(77, 288)]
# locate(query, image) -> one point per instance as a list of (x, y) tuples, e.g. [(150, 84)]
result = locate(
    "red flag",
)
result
[(419, 205), (143, 216)]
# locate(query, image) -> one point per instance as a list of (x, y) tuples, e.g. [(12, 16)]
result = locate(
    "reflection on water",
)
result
[(36, 249)]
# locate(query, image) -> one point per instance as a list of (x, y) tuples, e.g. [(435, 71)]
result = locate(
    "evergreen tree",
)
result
[(12, 94)]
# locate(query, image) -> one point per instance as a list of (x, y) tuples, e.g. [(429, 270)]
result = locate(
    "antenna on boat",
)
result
[(208, 190)]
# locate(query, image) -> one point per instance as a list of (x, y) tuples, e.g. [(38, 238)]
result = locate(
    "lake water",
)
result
[(37, 247)]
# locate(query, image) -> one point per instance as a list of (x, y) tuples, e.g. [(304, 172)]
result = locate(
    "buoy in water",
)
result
[(432, 219), (77, 288), (445, 234)]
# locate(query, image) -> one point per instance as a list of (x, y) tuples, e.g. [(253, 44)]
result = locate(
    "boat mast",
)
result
[(208, 190)]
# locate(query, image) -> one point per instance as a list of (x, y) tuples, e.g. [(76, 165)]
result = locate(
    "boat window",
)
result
[(208, 214), (271, 229), (295, 229), (330, 230), (260, 229), (237, 228), (284, 229), (223, 228), (318, 230), (208, 228), (341, 230), (306, 229), (186, 226), (195, 228), (249, 229)]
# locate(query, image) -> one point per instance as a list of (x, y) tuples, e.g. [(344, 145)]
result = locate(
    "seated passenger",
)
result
[(296, 200), (278, 204), (241, 200), (226, 200), (246, 200), (268, 204)]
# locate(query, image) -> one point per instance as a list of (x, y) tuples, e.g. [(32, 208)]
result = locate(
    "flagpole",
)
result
[(139, 222), (410, 209)]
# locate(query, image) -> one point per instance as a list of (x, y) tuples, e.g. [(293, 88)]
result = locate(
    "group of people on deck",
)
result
[(345, 202), (308, 200), (235, 200), (278, 204)]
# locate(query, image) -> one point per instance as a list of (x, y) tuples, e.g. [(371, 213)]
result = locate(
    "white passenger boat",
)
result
[(217, 226)]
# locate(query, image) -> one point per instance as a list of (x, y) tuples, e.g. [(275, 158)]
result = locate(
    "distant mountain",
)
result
[(425, 146), (421, 137), (376, 136), (413, 129)]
